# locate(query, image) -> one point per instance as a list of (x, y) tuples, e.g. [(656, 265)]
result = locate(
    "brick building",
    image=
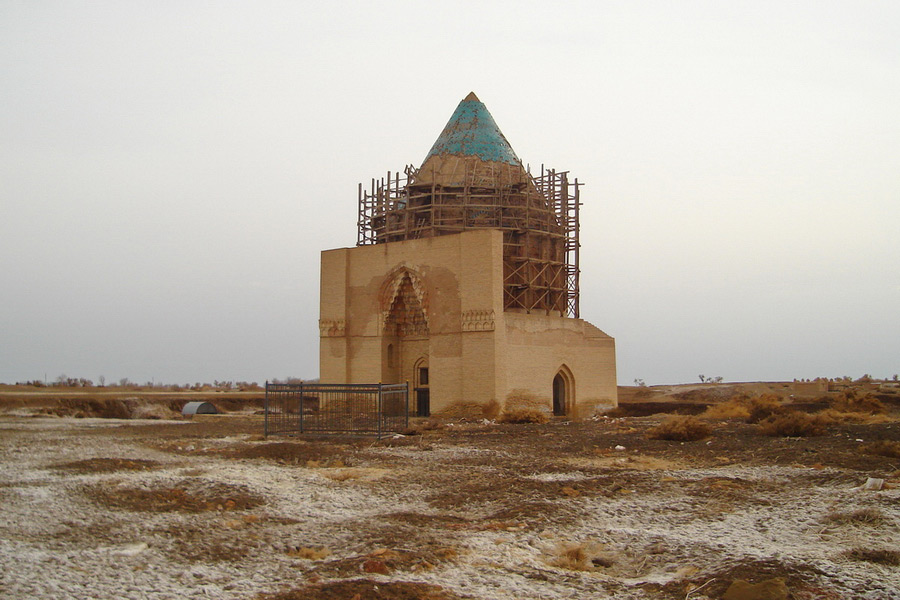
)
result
[(465, 283)]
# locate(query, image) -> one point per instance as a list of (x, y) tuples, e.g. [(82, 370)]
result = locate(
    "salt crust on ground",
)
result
[(44, 554)]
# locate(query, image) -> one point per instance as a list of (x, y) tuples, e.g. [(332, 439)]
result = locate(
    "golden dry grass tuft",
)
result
[(680, 428), (751, 409), (861, 418), (856, 401), (523, 415), (795, 424), (732, 409), (491, 410), (764, 406)]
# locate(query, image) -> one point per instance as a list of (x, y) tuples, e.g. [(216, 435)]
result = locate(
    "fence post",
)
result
[(300, 407), (379, 408), (266, 411)]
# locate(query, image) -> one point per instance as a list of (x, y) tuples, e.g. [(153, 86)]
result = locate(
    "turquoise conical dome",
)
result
[(471, 151), (472, 131)]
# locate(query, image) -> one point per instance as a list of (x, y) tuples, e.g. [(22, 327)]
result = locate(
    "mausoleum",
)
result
[(465, 283)]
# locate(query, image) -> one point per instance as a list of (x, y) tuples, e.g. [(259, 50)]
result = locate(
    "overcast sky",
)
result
[(170, 171)]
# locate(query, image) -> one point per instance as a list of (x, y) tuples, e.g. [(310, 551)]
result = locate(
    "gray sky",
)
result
[(170, 171)]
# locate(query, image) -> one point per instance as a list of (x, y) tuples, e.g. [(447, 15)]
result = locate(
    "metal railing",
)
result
[(322, 408)]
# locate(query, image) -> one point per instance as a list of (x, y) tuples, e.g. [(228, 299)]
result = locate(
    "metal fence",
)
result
[(356, 409)]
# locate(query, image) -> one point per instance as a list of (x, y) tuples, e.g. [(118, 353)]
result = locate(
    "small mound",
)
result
[(106, 465), (314, 455), (186, 497), (366, 589), (111, 408)]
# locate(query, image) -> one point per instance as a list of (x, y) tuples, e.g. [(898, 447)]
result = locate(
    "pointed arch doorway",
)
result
[(563, 392), (422, 390), (405, 336)]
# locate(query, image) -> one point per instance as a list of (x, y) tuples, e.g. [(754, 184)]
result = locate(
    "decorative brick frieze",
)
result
[(331, 328), (478, 320)]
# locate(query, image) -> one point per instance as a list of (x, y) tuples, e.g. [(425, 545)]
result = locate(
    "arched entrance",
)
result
[(404, 326), (421, 388), (563, 392)]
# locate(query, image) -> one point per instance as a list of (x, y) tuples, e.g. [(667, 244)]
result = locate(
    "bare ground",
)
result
[(208, 508)]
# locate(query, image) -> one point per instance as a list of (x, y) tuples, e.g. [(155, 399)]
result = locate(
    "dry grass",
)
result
[(855, 401), (523, 415), (880, 556), (421, 427), (296, 453), (219, 497), (888, 448), (639, 462), (751, 409), (491, 410), (365, 589), (764, 406), (580, 556), (795, 424), (863, 516), (680, 428), (733, 409), (114, 408), (309, 553), (107, 465), (860, 418)]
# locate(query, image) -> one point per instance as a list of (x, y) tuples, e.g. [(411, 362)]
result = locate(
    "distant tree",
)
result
[(703, 379), (102, 380), (639, 382), (124, 382)]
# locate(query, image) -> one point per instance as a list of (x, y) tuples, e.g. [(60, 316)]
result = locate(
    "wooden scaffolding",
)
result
[(537, 215)]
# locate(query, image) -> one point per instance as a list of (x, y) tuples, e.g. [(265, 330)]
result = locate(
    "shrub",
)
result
[(524, 415), (763, 407), (854, 417), (750, 409), (794, 424), (491, 409), (854, 401), (680, 428), (736, 408)]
